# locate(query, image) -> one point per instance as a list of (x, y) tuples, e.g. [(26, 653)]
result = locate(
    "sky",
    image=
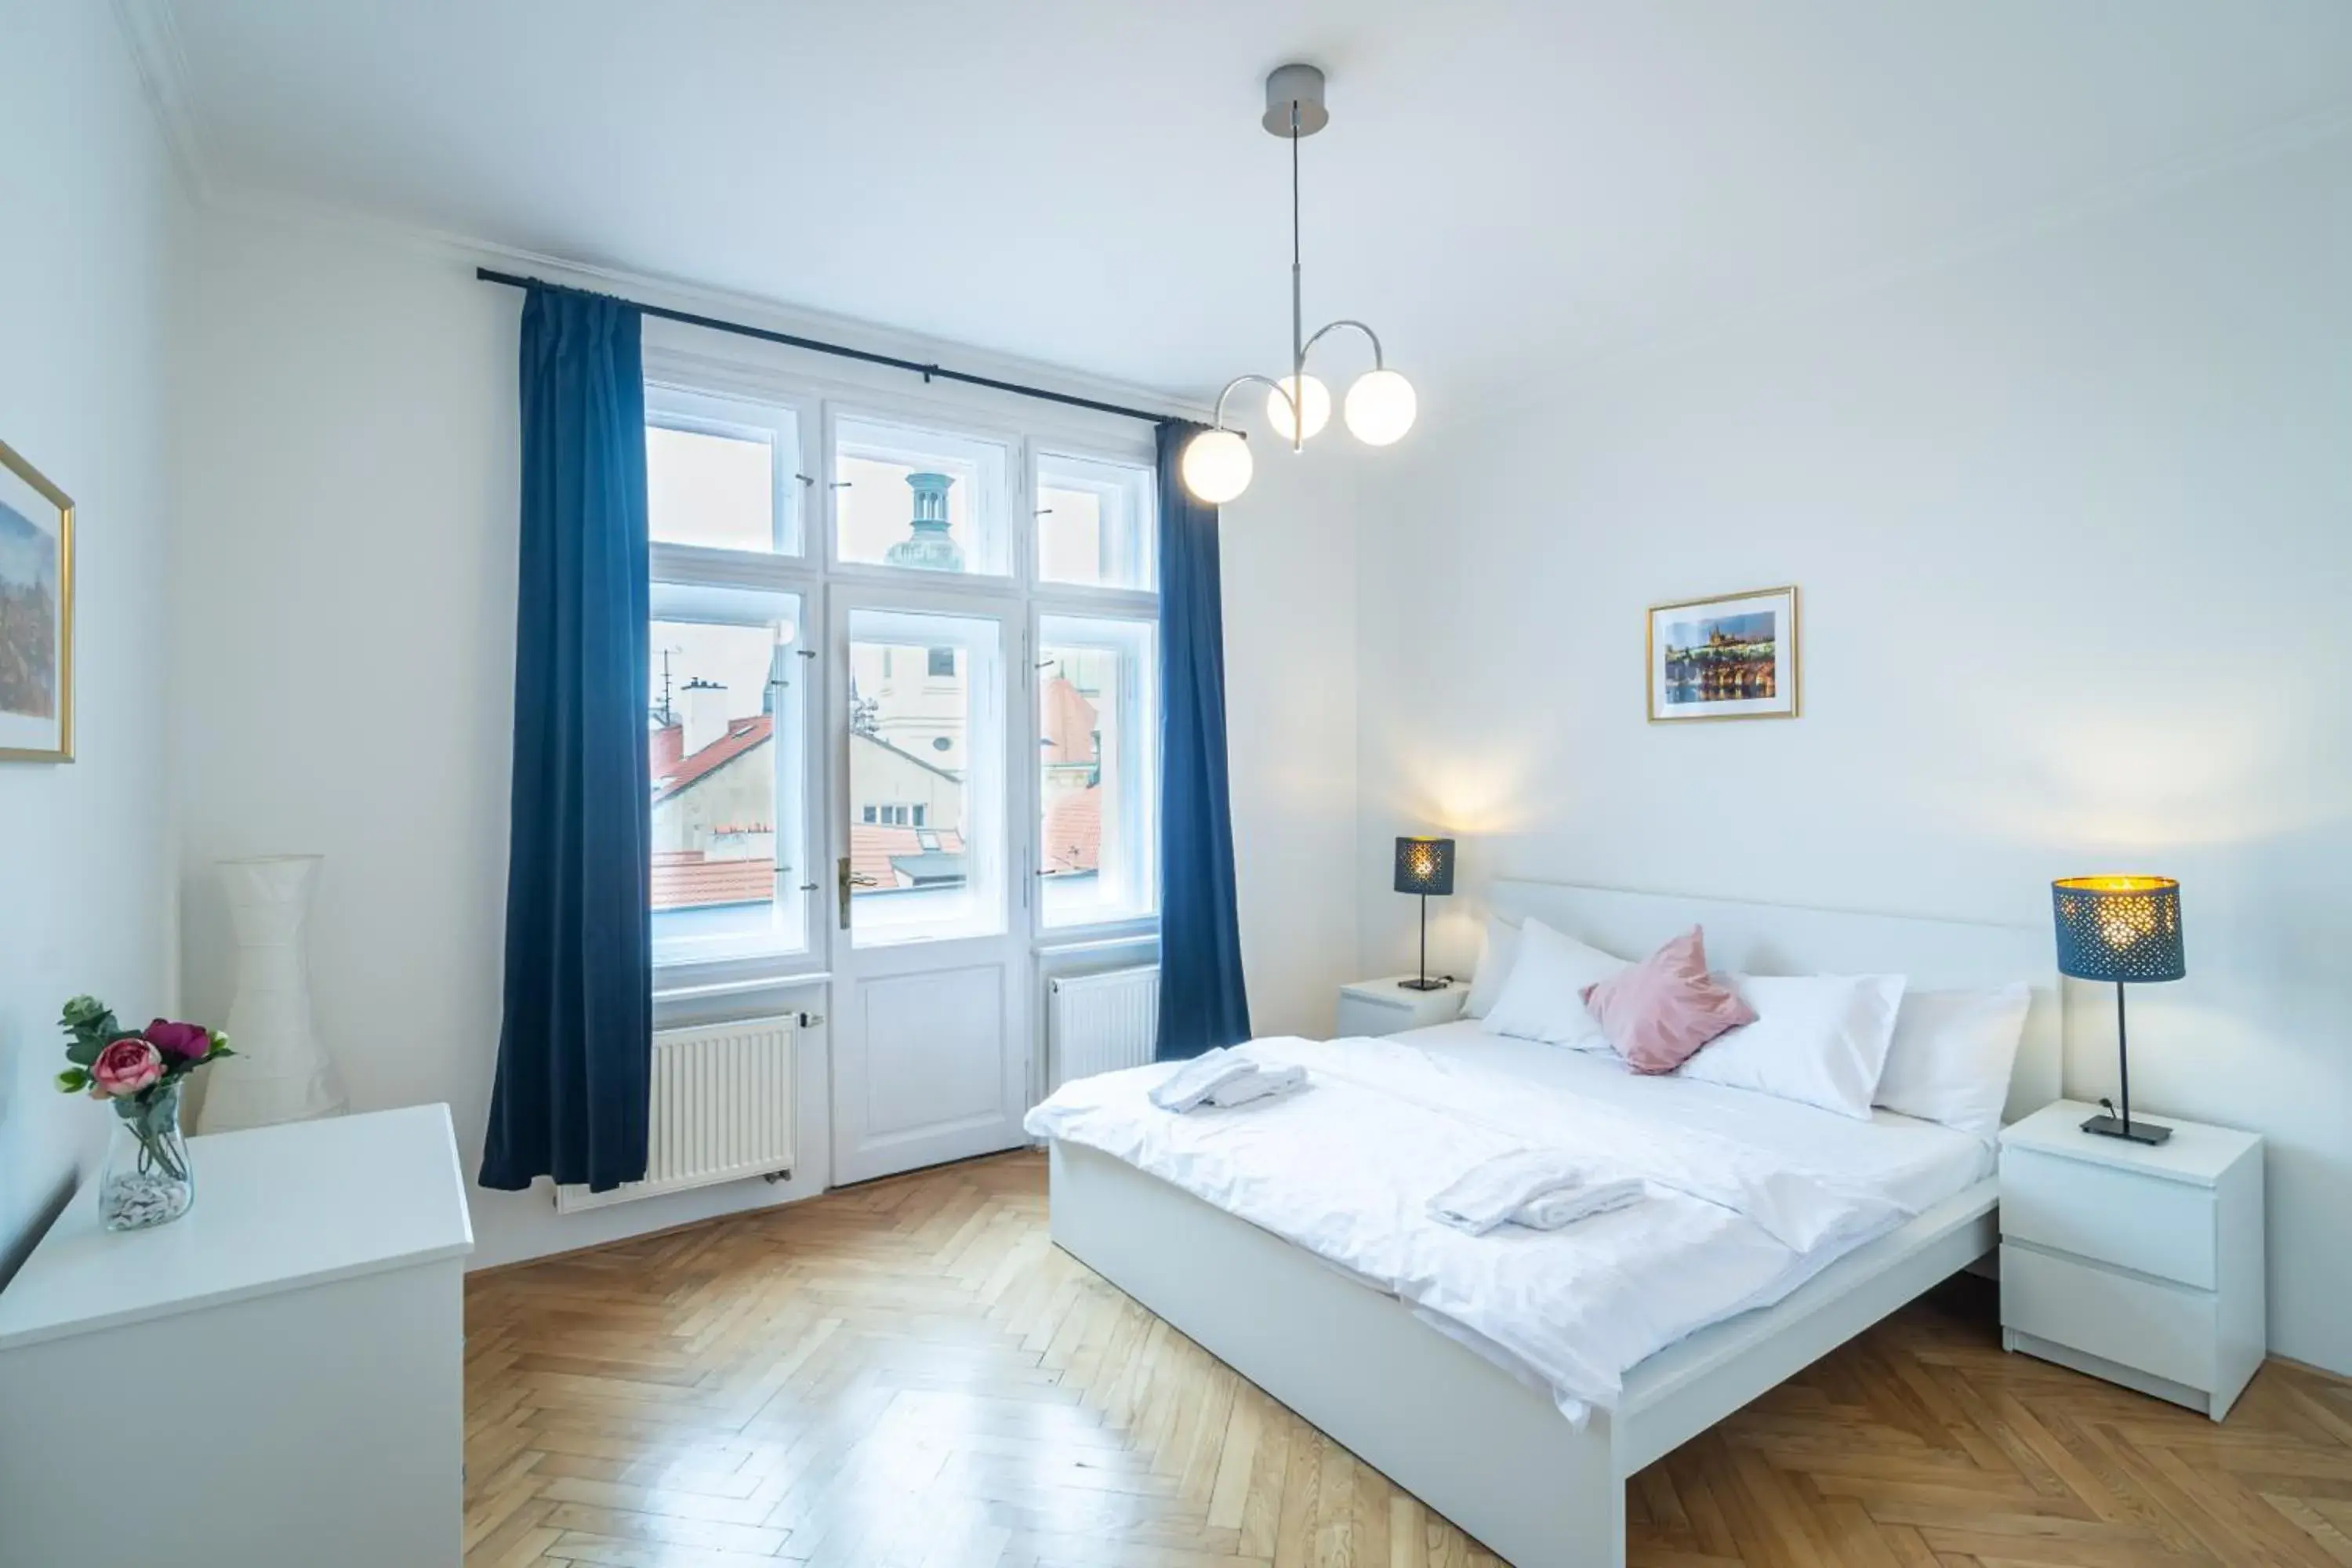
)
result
[(1756, 626)]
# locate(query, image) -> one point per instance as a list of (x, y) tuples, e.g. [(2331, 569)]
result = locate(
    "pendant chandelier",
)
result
[(1379, 406)]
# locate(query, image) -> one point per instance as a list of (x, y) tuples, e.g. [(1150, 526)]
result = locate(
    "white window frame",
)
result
[(817, 394), (716, 411), (797, 788), (1142, 746), (1144, 547)]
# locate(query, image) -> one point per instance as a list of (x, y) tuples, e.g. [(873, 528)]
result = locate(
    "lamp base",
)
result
[(2138, 1132), (1423, 983)]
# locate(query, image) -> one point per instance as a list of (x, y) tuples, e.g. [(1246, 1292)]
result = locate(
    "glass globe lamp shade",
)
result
[(1380, 408), (1314, 406), (1217, 466)]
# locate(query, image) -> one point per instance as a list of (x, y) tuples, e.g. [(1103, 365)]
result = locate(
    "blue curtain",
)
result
[(1203, 1002), (575, 1050)]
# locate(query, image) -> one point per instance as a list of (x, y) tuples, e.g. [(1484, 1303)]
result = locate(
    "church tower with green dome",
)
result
[(928, 548)]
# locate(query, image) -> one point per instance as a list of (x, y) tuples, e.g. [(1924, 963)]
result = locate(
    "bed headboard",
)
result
[(1789, 939)]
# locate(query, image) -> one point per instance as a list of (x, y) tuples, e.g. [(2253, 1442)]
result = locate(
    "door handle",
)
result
[(846, 879)]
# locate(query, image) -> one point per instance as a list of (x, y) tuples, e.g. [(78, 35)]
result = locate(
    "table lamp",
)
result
[(1424, 866), (2127, 930)]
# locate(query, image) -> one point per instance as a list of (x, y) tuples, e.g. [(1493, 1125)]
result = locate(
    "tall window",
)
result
[(1096, 723), (728, 696), (783, 523)]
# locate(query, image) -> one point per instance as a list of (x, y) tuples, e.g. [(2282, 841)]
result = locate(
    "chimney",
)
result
[(706, 714)]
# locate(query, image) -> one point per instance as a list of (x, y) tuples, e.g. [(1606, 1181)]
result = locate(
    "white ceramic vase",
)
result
[(280, 1073)]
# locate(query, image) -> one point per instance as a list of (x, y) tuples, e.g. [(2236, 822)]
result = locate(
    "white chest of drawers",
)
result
[(279, 1375), (2139, 1264)]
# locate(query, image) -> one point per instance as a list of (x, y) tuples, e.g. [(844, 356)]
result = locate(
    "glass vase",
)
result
[(148, 1179)]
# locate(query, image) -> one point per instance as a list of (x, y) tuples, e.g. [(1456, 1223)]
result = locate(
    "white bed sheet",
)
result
[(1749, 1197), (1914, 1163)]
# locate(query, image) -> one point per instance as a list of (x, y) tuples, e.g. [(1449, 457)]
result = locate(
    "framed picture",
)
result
[(1733, 657), (37, 544)]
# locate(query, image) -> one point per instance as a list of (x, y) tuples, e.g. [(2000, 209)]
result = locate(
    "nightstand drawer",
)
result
[(1362, 1016), (2167, 1330), (2148, 1225)]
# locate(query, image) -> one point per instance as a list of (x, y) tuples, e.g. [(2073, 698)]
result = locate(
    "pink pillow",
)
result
[(1661, 1011)]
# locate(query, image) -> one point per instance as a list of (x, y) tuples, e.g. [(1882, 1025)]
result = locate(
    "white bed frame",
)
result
[(1469, 1439)]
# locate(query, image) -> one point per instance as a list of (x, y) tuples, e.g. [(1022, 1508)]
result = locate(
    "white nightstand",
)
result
[(2140, 1265), (1385, 1007)]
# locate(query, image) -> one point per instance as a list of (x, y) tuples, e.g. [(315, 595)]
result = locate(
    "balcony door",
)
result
[(930, 1056)]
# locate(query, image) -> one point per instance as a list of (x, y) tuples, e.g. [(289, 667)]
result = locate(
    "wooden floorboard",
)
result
[(909, 1373)]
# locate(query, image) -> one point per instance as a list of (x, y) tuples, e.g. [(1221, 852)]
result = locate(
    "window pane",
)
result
[(918, 498), (1096, 729), (1094, 521), (926, 777), (724, 720), (721, 474)]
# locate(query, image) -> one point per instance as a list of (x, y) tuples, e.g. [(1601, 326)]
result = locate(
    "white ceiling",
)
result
[(1085, 183)]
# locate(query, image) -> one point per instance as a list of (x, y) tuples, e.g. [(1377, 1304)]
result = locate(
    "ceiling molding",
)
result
[(152, 37), (2313, 132), (253, 204)]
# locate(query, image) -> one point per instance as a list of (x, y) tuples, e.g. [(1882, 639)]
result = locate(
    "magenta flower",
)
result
[(124, 1068), (191, 1042)]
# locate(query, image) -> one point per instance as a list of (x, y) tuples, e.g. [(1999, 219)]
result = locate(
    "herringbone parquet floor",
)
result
[(909, 1373)]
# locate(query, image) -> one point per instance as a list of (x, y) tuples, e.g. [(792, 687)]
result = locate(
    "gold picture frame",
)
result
[(37, 621), (1700, 667)]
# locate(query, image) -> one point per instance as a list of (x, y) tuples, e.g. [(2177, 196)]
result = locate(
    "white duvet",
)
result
[(1346, 1168)]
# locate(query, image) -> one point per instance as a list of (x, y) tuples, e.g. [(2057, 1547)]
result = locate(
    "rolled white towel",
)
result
[(1193, 1081), (1265, 1083), (1566, 1206), (1492, 1191)]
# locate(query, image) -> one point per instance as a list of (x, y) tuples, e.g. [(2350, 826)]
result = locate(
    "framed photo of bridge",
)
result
[(1731, 657), (37, 524)]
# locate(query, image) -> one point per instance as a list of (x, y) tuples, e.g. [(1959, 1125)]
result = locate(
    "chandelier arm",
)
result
[(1266, 381), (1378, 362)]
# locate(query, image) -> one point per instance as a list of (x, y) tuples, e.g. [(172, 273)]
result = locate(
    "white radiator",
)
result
[(1096, 1022), (722, 1110)]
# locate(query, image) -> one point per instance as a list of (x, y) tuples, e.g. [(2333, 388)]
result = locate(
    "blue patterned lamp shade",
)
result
[(2123, 929), (1424, 866)]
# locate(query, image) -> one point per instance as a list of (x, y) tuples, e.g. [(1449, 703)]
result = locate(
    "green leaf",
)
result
[(84, 1053), (73, 1081)]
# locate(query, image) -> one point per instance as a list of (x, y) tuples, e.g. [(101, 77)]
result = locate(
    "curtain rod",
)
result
[(928, 372)]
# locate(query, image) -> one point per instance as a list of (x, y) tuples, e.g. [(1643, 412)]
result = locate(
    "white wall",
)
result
[(345, 621), (90, 214), (2108, 471), (1288, 554)]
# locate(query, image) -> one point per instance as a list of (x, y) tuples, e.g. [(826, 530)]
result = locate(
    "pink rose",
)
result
[(125, 1067), (191, 1041)]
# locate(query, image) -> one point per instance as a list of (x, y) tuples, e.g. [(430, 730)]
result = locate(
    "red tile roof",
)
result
[(872, 846), (683, 880), (742, 735), (1074, 831)]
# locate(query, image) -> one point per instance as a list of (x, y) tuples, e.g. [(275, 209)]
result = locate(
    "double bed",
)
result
[(1453, 1364)]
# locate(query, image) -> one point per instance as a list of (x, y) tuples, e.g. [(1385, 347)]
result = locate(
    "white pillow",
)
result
[(1818, 1039), (1498, 948), (1543, 996), (1951, 1056)]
